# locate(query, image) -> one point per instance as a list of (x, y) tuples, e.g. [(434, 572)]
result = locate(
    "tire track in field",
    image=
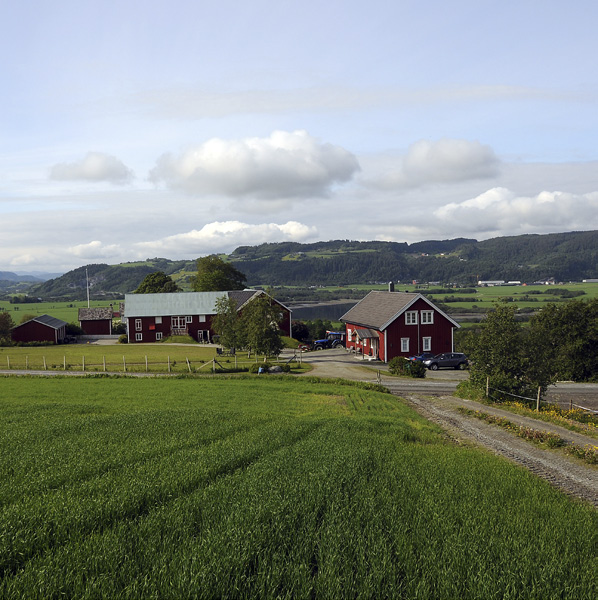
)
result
[(565, 474), (17, 559), (147, 457)]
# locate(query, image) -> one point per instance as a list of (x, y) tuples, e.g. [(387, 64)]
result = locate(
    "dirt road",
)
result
[(432, 397)]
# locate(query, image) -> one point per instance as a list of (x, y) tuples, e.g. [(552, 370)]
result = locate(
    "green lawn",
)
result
[(267, 488)]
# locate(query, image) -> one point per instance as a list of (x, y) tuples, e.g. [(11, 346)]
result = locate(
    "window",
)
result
[(404, 344), (158, 320), (411, 317), (427, 344), (158, 336), (138, 337), (188, 319), (427, 317), (202, 318), (137, 324), (349, 334)]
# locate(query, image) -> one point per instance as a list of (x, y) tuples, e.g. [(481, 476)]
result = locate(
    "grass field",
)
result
[(251, 488), (67, 311)]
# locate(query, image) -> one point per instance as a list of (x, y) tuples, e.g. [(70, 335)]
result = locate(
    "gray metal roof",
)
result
[(171, 304), (52, 322)]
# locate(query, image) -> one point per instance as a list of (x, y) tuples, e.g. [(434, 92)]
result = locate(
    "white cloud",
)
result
[(444, 161), (501, 210), (284, 165), (94, 250), (94, 167), (224, 236)]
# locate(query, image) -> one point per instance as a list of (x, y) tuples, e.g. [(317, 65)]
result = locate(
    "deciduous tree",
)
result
[(259, 324), (156, 283), (215, 275)]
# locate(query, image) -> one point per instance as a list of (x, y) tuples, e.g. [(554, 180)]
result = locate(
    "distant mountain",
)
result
[(527, 258), (10, 276)]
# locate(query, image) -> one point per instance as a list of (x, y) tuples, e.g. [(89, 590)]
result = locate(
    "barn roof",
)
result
[(379, 309), (47, 320), (169, 304), (96, 313), (183, 303)]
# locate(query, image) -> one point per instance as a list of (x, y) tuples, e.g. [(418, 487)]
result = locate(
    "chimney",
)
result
[(391, 286)]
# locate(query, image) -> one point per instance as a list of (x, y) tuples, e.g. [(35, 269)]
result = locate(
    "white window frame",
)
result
[(202, 318), (427, 317), (188, 319), (158, 336), (139, 337), (158, 321), (404, 344), (138, 325), (411, 317), (427, 344)]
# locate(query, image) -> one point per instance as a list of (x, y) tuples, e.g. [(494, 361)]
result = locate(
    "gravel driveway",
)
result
[(432, 398)]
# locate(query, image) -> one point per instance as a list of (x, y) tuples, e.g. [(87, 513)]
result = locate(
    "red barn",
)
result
[(152, 317), (389, 324), (40, 329), (96, 320)]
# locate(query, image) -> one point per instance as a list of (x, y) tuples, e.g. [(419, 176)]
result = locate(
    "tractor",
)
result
[(333, 339)]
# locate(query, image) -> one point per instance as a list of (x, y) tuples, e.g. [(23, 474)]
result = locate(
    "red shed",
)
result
[(96, 320), (40, 329), (389, 324)]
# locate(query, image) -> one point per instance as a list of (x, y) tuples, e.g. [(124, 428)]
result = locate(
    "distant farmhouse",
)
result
[(40, 329), (388, 324), (96, 320), (152, 317)]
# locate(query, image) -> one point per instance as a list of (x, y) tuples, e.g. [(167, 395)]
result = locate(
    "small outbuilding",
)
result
[(96, 320), (40, 329), (388, 324)]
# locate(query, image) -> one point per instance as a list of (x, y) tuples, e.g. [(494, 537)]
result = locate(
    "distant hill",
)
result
[(527, 258), (10, 276)]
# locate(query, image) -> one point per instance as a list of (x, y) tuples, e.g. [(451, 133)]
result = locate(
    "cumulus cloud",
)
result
[(94, 167), (227, 235), (94, 250), (444, 161), (501, 210), (284, 165)]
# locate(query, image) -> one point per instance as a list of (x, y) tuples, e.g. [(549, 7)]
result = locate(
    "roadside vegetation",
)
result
[(267, 487)]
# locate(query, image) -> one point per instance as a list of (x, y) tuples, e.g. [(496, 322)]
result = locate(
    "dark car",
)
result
[(447, 360), (422, 357)]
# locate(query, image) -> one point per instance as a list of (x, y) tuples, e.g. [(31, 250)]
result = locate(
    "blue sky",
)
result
[(132, 129)]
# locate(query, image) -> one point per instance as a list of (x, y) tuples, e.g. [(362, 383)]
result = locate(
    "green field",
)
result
[(67, 311), (277, 488)]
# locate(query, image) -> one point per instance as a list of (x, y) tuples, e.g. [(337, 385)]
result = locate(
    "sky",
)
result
[(139, 129)]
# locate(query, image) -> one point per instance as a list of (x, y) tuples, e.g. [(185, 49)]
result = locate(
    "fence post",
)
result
[(26, 361), (45, 367), (64, 362), (487, 387), (124, 364), (146, 363), (188, 364), (213, 366), (538, 400), (104, 362), (235, 361), (169, 364), (8, 361), (84, 363)]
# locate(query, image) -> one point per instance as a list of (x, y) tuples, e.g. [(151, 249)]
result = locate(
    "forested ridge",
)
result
[(527, 258)]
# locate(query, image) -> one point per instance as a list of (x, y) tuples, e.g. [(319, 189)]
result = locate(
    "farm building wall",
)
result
[(154, 329), (37, 332), (97, 327)]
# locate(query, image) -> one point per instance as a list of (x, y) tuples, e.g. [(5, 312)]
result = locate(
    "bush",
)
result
[(400, 365), (122, 339)]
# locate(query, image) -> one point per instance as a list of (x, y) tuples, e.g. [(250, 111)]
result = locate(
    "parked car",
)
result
[(447, 360), (422, 357)]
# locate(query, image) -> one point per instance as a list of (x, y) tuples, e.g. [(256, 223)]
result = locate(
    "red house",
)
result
[(96, 320), (388, 324), (152, 317), (40, 329)]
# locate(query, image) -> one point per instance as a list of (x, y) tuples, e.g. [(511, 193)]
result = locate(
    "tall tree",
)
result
[(6, 324), (215, 275), (261, 333), (156, 283), (227, 323)]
